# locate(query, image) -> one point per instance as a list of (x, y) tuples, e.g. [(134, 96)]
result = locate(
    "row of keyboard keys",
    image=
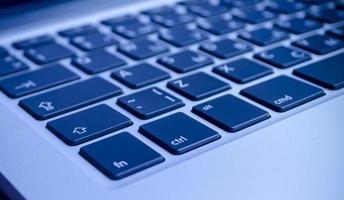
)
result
[(62, 100), (37, 80), (86, 125)]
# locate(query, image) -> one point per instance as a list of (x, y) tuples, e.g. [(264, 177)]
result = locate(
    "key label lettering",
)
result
[(179, 140), (120, 164), (26, 85), (180, 84), (207, 107), (80, 130), (46, 106), (283, 100)]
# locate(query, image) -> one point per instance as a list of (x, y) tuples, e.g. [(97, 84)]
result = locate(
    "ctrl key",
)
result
[(120, 155)]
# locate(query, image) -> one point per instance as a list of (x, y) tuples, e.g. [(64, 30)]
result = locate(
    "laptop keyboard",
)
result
[(182, 40)]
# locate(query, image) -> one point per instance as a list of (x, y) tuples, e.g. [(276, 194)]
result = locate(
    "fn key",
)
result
[(120, 155)]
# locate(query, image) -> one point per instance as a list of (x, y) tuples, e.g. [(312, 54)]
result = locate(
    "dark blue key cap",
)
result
[(48, 53), (220, 24), (62, 100), (198, 86), (286, 6), (140, 75), (37, 80), (283, 57), (207, 9), (120, 155), (3, 52), (239, 3), (86, 125), (33, 42), (134, 30), (92, 41), (328, 73), (80, 30), (182, 36), (185, 61), (338, 32), (298, 25), (230, 113), (179, 133), (320, 44), (264, 36), (242, 70), (282, 93), (9, 64), (125, 19), (149, 103), (169, 17), (254, 16), (142, 48), (225, 48), (97, 61), (327, 15)]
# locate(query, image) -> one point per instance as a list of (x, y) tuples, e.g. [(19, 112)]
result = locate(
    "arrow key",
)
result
[(83, 126)]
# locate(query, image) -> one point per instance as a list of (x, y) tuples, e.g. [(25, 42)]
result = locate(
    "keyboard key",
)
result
[(283, 57), (33, 42), (327, 15), (37, 80), (286, 6), (207, 9), (338, 32), (239, 3), (320, 44), (9, 64), (328, 73), (169, 17), (264, 36), (282, 93), (254, 16), (3, 52), (92, 41), (298, 25), (149, 103), (185, 61), (83, 126), (230, 113), (140, 75), (48, 53), (125, 19), (225, 48), (242, 70), (62, 100), (220, 24), (142, 48), (97, 61), (77, 31), (198, 86), (179, 133), (182, 36), (134, 29), (120, 155)]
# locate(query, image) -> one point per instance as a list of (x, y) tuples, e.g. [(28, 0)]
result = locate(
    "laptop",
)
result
[(154, 99)]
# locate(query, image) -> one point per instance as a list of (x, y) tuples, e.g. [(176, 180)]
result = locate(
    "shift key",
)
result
[(62, 100), (282, 93)]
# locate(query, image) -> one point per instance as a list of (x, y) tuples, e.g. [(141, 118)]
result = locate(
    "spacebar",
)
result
[(69, 98)]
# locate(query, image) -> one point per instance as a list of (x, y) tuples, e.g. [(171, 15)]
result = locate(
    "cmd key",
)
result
[(71, 97), (120, 155), (86, 125), (38, 80), (149, 103), (282, 93), (230, 113), (328, 73), (178, 133)]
